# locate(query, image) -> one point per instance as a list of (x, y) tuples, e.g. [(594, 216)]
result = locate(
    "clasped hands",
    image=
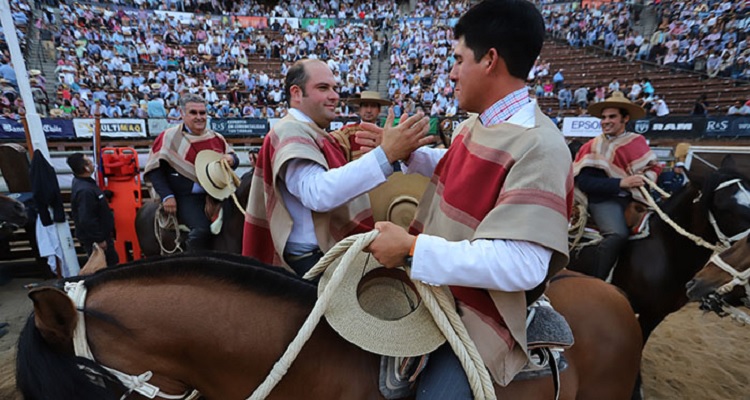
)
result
[(398, 142)]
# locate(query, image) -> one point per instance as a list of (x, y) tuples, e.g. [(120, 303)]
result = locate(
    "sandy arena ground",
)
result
[(691, 356)]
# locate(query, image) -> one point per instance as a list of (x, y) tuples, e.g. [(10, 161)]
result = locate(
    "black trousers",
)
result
[(304, 264), (191, 212)]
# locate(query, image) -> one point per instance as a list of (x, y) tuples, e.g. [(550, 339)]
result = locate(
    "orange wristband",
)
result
[(413, 246)]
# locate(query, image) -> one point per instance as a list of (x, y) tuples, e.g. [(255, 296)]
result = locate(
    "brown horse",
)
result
[(653, 271), (724, 279), (12, 215), (229, 239), (217, 323)]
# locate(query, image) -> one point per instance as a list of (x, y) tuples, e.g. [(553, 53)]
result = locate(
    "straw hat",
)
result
[(379, 310), (34, 72), (218, 181), (56, 112), (396, 200), (618, 100), (369, 96), (156, 86)]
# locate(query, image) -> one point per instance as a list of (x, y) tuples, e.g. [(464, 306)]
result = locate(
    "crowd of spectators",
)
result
[(122, 63), (709, 37), (119, 58)]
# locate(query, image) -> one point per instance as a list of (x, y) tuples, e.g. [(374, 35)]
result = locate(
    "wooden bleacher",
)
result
[(591, 67)]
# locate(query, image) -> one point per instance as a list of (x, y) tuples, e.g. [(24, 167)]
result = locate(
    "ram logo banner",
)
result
[(641, 126)]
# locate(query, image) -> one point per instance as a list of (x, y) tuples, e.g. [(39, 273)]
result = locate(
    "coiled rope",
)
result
[(436, 300)]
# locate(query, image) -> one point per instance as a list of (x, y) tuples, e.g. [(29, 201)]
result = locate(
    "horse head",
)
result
[(725, 275), (726, 198), (56, 372), (12, 215)]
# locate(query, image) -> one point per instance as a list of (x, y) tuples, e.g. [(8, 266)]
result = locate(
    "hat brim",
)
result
[(416, 332), (202, 162), (359, 101), (400, 194), (634, 111)]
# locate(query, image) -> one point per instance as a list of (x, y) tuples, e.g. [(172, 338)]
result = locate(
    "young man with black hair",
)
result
[(93, 218), (492, 224)]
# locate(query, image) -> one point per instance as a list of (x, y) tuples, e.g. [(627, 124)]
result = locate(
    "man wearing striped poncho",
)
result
[(492, 225)]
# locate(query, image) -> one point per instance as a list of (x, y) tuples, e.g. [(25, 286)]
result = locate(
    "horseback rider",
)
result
[(492, 224), (171, 168), (370, 103), (305, 195), (609, 169)]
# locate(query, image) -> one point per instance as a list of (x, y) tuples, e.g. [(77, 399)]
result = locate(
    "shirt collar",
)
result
[(299, 115), (505, 108)]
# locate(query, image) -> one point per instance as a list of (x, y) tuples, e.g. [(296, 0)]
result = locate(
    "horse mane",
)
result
[(46, 373), (244, 272), (714, 180)]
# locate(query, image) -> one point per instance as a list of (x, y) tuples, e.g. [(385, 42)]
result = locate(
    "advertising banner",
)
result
[(326, 23), (182, 17), (111, 127), (340, 122), (728, 126), (581, 126), (53, 129), (240, 127), (293, 22), (252, 22), (158, 125), (677, 127)]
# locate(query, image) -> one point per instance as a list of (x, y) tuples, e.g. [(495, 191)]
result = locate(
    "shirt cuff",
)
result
[(385, 166), (167, 197)]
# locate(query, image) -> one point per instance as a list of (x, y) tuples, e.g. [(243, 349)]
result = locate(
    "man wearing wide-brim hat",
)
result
[(370, 104), (609, 169)]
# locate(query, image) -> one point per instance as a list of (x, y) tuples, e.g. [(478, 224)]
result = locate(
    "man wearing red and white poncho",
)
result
[(609, 169), (493, 222), (305, 197)]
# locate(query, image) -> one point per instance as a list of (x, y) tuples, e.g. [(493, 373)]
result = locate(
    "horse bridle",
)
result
[(134, 383), (713, 302), (723, 238)]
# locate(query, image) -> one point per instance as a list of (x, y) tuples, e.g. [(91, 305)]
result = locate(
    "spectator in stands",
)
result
[(171, 168), (319, 188), (660, 108), (673, 180), (700, 108), (610, 187), (580, 96), (734, 109), (93, 218), (565, 97), (558, 79), (745, 109)]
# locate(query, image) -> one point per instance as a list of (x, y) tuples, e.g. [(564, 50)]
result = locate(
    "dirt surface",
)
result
[(690, 356)]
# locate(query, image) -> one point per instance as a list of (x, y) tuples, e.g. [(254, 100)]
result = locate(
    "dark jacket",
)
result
[(46, 190), (168, 182), (91, 213), (598, 186)]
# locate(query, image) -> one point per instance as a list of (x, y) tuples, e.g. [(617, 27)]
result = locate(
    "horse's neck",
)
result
[(222, 339)]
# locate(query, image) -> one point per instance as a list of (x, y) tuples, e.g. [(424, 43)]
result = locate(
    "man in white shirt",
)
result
[(480, 225), (317, 197)]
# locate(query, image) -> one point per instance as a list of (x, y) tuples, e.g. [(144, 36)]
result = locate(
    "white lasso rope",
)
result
[(695, 238), (435, 300), (162, 220), (230, 175)]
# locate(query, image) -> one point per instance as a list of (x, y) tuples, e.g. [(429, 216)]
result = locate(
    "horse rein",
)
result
[(713, 302), (76, 291)]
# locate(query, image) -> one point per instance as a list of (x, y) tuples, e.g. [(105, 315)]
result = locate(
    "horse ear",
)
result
[(55, 316)]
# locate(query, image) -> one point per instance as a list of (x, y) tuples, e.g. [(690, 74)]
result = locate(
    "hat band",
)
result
[(208, 175)]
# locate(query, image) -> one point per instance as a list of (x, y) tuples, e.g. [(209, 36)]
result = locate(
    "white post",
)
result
[(38, 140), (36, 131)]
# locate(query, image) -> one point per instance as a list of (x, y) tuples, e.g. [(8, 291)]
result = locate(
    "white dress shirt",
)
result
[(496, 264)]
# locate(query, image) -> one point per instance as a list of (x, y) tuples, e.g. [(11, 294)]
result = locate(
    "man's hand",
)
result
[(411, 133), (230, 159), (392, 245), (632, 181), (170, 205), (370, 137)]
